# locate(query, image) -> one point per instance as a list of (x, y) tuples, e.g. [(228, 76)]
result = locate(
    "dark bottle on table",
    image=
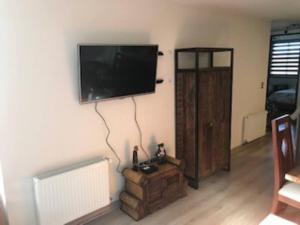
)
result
[(135, 159)]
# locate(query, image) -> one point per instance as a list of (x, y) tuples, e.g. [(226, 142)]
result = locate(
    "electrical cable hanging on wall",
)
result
[(107, 137), (139, 128)]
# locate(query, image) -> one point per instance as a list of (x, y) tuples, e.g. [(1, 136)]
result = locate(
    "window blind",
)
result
[(285, 58)]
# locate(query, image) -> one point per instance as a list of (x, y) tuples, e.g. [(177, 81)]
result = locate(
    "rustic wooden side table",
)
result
[(146, 193)]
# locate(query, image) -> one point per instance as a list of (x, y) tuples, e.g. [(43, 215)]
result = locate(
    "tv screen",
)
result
[(108, 71)]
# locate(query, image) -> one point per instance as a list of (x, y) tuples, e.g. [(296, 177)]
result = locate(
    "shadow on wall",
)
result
[(152, 145), (151, 149), (127, 155), (3, 215), (107, 37)]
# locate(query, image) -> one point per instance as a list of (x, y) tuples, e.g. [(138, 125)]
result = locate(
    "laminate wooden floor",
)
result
[(241, 197)]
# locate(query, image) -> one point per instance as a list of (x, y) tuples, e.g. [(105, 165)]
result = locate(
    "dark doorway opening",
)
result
[(283, 76)]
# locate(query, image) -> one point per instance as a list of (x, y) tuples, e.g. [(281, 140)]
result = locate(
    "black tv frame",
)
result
[(115, 97)]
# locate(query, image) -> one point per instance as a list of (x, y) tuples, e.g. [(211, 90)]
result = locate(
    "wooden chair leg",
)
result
[(277, 206)]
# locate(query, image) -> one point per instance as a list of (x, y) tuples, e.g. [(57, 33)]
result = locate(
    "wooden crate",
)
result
[(145, 194)]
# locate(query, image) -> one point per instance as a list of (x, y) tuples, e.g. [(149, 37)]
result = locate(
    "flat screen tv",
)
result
[(109, 71)]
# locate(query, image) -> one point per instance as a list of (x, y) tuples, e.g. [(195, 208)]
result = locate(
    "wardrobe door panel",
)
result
[(214, 120), (186, 120), (206, 126), (225, 94), (226, 128), (223, 121)]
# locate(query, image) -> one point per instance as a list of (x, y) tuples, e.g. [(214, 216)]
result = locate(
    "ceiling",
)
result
[(267, 9)]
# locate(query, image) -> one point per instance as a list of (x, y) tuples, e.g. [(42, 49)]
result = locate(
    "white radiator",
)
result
[(69, 193), (254, 126)]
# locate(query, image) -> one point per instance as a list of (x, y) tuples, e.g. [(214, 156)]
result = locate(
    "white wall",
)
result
[(42, 124)]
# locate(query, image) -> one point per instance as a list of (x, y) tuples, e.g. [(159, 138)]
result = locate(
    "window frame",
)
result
[(269, 76)]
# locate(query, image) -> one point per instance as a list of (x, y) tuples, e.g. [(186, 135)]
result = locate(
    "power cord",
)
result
[(107, 136), (139, 128)]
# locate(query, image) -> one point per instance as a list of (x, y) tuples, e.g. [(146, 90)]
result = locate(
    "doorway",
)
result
[(283, 76)]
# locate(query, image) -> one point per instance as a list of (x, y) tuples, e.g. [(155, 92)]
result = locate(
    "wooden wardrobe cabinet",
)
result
[(203, 112)]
